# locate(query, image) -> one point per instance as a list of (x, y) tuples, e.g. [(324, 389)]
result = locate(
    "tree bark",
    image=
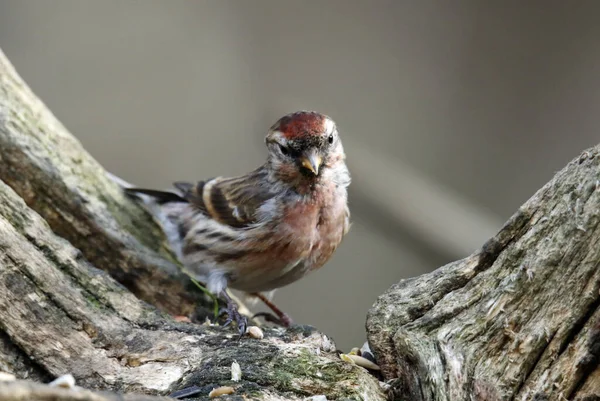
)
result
[(47, 167), (518, 319), (63, 226)]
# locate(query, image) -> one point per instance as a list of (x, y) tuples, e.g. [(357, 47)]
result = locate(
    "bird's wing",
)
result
[(230, 201)]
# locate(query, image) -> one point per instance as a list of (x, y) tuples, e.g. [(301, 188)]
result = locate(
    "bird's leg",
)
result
[(232, 314), (282, 318)]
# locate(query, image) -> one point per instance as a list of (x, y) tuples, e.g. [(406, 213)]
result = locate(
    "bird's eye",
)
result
[(330, 139), (284, 150)]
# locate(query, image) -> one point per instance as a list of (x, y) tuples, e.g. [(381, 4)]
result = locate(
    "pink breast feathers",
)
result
[(315, 229)]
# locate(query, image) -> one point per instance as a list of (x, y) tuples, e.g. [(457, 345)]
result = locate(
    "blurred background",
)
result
[(452, 113)]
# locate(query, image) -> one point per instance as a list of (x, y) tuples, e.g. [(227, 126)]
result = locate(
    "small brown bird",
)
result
[(268, 228)]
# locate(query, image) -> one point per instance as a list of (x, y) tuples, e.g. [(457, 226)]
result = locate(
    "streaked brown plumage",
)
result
[(272, 226)]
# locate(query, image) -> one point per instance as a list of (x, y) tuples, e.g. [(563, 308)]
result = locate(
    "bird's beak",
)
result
[(311, 161)]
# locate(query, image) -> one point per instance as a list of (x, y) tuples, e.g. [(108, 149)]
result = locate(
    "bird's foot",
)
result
[(283, 320), (233, 314), (278, 316)]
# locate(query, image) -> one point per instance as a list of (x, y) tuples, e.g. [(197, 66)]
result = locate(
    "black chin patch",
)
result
[(310, 142)]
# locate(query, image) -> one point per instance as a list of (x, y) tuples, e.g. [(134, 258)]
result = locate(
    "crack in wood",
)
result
[(13, 359), (590, 362), (538, 358)]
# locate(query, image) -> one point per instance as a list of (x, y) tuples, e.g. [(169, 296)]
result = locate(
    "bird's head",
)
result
[(303, 146)]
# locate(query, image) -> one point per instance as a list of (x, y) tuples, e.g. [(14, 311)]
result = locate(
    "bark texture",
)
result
[(63, 226), (518, 319), (47, 167)]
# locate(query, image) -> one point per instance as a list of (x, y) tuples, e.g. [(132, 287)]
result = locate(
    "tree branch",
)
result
[(516, 319), (57, 178)]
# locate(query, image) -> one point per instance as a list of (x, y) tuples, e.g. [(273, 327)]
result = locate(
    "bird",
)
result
[(263, 230)]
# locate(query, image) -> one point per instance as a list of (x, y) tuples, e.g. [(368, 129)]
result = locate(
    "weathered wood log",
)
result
[(69, 317), (57, 178), (60, 312), (517, 320)]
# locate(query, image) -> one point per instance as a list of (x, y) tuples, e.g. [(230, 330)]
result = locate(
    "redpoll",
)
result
[(270, 227)]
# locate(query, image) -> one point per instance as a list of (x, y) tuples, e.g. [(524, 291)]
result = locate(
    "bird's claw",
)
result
[(284, 320), (232, 314)]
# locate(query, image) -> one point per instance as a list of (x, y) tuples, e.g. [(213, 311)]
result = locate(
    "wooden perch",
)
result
[(67, 316), (517, 320)]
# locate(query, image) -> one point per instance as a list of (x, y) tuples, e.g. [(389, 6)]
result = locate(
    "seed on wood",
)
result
[(236, 372), (7, 377), (255, 332), (64, 381), (216, 392), (360, 361)]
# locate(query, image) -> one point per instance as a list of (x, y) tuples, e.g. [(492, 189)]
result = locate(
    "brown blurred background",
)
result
[(452, 113)]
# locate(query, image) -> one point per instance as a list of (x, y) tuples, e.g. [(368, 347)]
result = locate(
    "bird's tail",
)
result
[(164, 206), (147, 196), (160, 197)]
